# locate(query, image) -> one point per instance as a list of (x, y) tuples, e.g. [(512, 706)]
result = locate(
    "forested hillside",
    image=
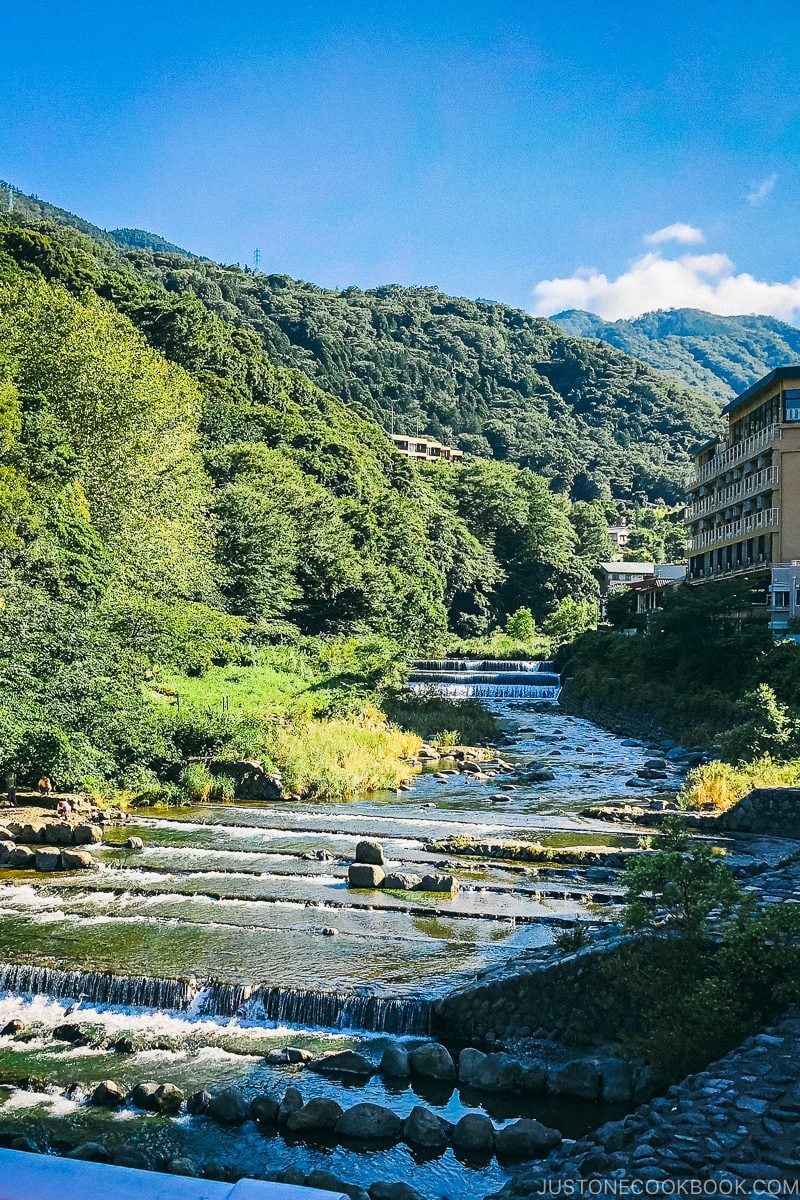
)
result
[(720, 356), (171, 500), (500, 383)]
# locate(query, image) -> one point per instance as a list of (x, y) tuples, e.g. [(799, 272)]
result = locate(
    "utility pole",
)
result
[(10, 198)]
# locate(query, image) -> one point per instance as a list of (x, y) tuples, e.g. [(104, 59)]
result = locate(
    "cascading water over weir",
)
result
[(296, 1006), (486, 678)]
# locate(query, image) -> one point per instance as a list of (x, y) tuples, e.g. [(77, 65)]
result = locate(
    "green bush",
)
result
[(224, 789), (198, 782)]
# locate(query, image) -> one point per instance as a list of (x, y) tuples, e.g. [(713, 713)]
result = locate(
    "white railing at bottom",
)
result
[(44, 1177)]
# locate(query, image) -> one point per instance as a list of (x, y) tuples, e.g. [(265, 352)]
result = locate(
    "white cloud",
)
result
[(687, 235), (762, 190), (706, 281)]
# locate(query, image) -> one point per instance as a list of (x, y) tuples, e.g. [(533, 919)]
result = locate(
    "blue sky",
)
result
[(521, 151)]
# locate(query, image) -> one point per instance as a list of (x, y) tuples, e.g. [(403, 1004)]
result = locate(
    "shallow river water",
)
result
[(229, 900)]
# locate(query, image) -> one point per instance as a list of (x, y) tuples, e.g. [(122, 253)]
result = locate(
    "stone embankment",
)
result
[(736, 1125)]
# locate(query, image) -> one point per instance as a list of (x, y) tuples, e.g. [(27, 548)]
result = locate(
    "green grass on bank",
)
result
[(720, 785)]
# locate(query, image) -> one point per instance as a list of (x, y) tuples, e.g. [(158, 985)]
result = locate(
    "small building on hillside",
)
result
[(622, 574), (425, 449), (620, 534), (648, 593)]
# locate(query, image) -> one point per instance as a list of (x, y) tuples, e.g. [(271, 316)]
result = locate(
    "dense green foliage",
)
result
[(688, 674), (143, 240), (720, 356)]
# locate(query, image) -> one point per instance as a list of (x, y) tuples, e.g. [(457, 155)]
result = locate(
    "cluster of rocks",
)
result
[(47, 846), (531, 852), (368, 872), (736, 1124), (669, 764)]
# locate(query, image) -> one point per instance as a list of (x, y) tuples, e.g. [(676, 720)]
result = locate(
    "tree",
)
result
[(521, 625), (767, 728)]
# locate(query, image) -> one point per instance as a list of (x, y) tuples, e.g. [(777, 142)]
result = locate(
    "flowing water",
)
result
[(187, 960), (487, 679)]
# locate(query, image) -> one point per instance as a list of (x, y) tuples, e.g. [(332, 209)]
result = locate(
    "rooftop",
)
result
[(775, 376)]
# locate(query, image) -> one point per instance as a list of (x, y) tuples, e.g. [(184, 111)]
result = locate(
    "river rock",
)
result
[(87, 835), (6, 850), (252, 780), (363, 875), (320, 1113), (394, 1062), (47, 860), (69, 1031), (497, 1073), (182, 1166), (292, 1102), (143, 1095), (76, 860), (168, 1099), (579, 1078), (108, 1094), (288, 1055), (369, 1122), (127, 1156), (437, 883), (89, 1152), (423, 1128), (12, 1028), (616, 1080), (198, 1103), (58, 834), (134, 843), (402, 881), (264, 1110), (22, 858), (370, 852), (345, 1062), (228, 1107), (469, 1060), (525, 1139), (433, 1061), (540, 775), (474, 1133), (393, 1191), (32, 832), (325, 1181)]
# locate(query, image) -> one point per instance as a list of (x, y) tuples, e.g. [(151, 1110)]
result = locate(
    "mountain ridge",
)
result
[(719, 355)]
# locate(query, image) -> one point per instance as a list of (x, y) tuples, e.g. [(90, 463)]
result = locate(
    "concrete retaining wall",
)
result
[(766, 810)]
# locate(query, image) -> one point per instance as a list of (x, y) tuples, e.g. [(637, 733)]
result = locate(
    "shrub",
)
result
[(720, 785), (198, 782), (440, 719), (224, 789)]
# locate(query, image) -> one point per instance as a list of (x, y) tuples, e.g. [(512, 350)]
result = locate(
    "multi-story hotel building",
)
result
[(743, 503)]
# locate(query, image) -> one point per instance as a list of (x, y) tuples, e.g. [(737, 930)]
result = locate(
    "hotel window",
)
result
[(780, 599), (792, 398)]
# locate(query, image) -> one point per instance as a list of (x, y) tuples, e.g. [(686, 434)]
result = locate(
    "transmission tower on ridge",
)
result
[(256, 260), (10, 198)]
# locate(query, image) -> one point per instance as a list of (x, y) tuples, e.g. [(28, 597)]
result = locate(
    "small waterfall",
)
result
[(134, 991), (341, 1010), (292, 1006), (487, 678)]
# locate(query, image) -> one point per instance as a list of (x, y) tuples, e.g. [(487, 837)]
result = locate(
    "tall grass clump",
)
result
[(334, 760), (441, 720), (720, 785), (198, 782)]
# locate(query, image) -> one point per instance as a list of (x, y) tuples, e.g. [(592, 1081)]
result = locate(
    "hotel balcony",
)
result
[(735, 493), (732, 531), (731, 456)]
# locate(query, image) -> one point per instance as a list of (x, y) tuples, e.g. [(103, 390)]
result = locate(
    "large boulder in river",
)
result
[(89, 1152), (76, 860), (525, 1139), (369, 1123), (345, 1062), (394, 1063), (474, 1134), (402, 881), (579, 1078), (12, 1028), (292, 1102), (87, 835), (164, 1098), (198, 1103), (22, 858), (363, 875), (48, 860), (134, 843), (108, 1094), (423, 1128), (143, 1095), (264, 1110), (251, 779), (368, 851), (319, 1113), (437, 883), (433, 1061), (228, 1107), (32, 832), (58, 833), (497, 1073), (6, 850), (393, 1191)]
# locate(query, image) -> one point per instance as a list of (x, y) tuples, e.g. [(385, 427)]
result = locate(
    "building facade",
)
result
[(743, 501), (743, 495), (425, 449)]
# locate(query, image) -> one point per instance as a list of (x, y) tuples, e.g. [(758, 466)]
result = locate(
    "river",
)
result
[(213, 945)]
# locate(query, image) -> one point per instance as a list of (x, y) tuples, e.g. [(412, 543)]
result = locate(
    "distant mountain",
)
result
[(142, 240), (720, 356)]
